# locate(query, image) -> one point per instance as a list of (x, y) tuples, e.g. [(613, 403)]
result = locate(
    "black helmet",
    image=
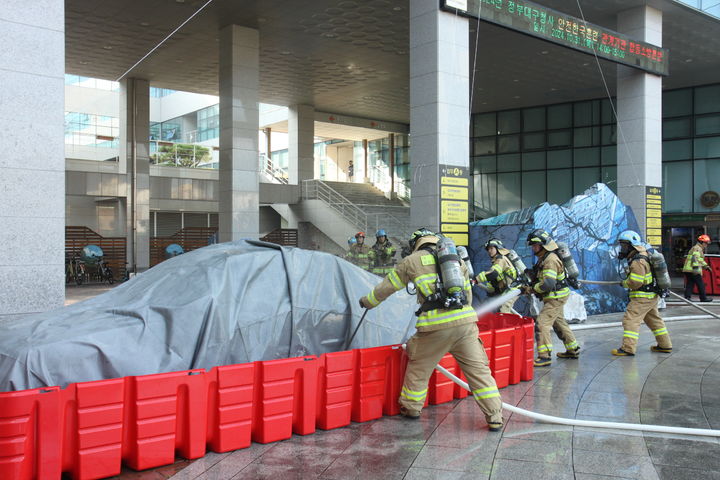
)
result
[(539, 236), (418, 234), (493, 242)]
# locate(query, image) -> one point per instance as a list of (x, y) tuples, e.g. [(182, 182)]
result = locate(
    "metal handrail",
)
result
[(317, 189), (265, 165)]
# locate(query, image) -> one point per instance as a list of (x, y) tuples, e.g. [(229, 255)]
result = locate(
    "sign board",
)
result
[(653, 215), (454, 203), (557, 27)]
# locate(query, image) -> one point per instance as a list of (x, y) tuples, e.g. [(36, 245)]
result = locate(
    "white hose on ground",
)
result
[(592, 423), (616, 282)]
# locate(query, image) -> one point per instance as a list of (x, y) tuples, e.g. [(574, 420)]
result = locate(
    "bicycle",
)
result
[(75, 270)]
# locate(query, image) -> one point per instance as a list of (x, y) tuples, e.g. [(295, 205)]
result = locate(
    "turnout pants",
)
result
[(643, 310), (552, 318), (424, 351), (692, 279)]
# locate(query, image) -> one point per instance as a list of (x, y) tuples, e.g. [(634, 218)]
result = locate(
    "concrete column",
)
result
[(135, 150), (439, 104), (32, 166), (239, 211), (639, 107), (301, 143)]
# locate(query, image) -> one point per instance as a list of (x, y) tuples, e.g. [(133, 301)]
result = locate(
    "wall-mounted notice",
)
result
[(653, 215), (454, 203)]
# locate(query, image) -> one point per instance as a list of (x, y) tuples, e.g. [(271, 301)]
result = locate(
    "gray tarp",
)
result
[(223, 304)]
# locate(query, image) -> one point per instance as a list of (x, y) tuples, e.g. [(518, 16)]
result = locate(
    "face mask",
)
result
[(624, 250)]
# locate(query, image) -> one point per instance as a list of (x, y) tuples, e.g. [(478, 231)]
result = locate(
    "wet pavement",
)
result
[(451, 441)]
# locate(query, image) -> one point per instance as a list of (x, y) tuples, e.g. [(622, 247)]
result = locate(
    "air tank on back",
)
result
[(662, 277), (571, 270), (516, 262), (463, 253), (451, 273)]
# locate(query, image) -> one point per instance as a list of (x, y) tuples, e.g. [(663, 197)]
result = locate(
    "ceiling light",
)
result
[(516, 96), (585, 64), (82, 62), (107, 47), (285, 52), (144, 24), (330, 35), (262, 19), (397, 9), (483, 103), (688, 60), (515, 80), (544, 52), (553, 89), (180, 1)]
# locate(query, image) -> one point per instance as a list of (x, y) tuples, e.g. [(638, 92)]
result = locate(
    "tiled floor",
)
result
[(451, 441)]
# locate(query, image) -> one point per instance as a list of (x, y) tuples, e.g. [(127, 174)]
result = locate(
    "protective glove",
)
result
[(365, 303), (528, 290)]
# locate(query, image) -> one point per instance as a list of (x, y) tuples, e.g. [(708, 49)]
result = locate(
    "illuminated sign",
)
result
[(566, 30), (454, 203)]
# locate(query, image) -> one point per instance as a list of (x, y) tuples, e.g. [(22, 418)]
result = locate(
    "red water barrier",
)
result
[(88, 430)]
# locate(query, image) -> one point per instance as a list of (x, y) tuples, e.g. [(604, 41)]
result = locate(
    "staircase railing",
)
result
[(270, 171), (367, 222)]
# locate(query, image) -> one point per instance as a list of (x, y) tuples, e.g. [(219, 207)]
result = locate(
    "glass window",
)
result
[(485, 194), (561, 138), (533, 188), (586, 113), (676, 128), (707, 125), (608, 116), (484, 124), (533, 161), (583, 178), (707, 99), (560, 116), (559, 159), (508, 143), (508, 122), (609, 134), (587, 157), (533, 119), (508, 192), (585, 137), (708, 147), (559, 186), (677, 187), (677, 150), (485, 145), (508, 163), (677, 103), (608, 155), (533, 141), (608, 176), (707, 177), (484, 164)]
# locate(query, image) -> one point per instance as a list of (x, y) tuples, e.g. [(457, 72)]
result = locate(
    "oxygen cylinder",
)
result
[(463, 253), (662, 277), (451, 273), (571, 269), (516, 262)]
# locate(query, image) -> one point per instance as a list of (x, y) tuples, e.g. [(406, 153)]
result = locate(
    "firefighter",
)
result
[(643, 305), (361, 252), (500, 276), (381, 254), (439, 330), (694, 264), (350, 256), (550, 286)]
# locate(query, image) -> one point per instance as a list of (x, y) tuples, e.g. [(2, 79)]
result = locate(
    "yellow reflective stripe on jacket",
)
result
[(641, 294), (549, 272), (395, 280), (371, 298), (415, 396), (423, 282), (498, 269), (428, 260), (487, 392), (562, 293), (438, 316)]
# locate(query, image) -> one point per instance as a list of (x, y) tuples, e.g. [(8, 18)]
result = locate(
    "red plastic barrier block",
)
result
[(162, 416), (30, 434), (460, 392), (528, 329), (487, 339), (378, 377), (440, 388), (92, 446), (335, 389), (502, 355), (285, 398), (230, 407)]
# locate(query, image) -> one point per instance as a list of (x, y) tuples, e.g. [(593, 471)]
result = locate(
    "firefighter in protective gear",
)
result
[(381, 254), (643, 298), (350, 256), (550, 286), (501, 275), (694, 265), (439, 330), (361, 252)]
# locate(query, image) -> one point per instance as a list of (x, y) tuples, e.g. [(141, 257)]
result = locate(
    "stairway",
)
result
[(363, 194)]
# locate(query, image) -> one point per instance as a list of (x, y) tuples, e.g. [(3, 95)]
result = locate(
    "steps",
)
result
[(363, 194)]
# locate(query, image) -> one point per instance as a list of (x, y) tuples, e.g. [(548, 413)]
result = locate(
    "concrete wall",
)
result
[(32, 167)]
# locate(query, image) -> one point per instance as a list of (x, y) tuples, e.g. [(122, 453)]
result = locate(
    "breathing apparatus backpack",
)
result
[(659, 270), (571, 270), (519, 266), (450, 286)]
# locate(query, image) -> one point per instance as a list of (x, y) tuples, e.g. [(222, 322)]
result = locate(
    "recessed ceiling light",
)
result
[(284, 52), (544, 52), (552, 89), (516, 96), (107, 47), (688, 60), (330, 35), (262, 19), (180, 1), (82, 62), (144, 24), (515, 80), (483, 103), (397, 9), (585, 64), (178, 61)]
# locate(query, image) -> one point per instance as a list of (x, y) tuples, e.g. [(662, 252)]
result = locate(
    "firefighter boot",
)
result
[(542, 362), (570, 353), (659, 349), (409, 414), (619, 352)]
